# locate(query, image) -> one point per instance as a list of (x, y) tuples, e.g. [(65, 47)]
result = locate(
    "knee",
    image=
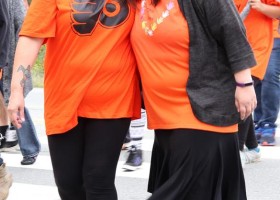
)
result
[(100, 184), (69, 185)]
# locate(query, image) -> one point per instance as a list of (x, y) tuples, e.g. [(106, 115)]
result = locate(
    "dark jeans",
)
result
[(85, 158), (27, 137), (268, 90)]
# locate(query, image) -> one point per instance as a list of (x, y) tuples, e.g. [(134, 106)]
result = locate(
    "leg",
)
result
[(126, 141), (251, 141), (6, 179), (246, 134), (270, 97), (67, 154), (3, 112), (136, 130), (3, 118), (28, 141), (103, 142), (243, 129), (186, 162), (258, 109)]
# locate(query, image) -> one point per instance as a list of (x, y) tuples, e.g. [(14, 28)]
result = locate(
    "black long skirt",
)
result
[(196, 165)]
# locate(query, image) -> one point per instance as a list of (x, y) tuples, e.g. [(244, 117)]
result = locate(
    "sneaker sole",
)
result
[(265, 143), (10, 149), (268, 140), (251, 161), (131, 168)]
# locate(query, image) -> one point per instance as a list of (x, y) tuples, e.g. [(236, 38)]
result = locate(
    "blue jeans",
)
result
[(27, 137), (268, 91)]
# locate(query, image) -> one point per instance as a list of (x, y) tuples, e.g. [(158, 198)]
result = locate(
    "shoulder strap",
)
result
[(244, 13)]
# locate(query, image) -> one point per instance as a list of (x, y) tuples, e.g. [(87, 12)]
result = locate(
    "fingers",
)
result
[(245, 101), (242, 112), (16, 117), (21, 115), (245, 110)]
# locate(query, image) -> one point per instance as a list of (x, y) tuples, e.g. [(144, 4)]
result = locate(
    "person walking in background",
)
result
[(27, 136), (6, 179), (260, 17), (136, 133), (197, 86), (268, 95), (91, 89)]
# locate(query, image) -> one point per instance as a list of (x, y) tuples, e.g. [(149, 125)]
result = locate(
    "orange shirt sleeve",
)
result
[(40, 21), (272, 2)]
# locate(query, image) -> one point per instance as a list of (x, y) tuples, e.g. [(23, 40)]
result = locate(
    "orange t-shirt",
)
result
[(163, 62), (259, 30), (90, 68)]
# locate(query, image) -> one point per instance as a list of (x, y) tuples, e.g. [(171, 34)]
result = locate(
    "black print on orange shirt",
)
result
[(86, 14)]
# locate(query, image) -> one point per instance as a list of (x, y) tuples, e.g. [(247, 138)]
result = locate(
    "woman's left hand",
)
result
[(245, 101), (16, 109)]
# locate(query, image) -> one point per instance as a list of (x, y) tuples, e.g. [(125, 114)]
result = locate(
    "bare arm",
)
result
[(3, 112), (245, 97), (268, 10), (25, 56)]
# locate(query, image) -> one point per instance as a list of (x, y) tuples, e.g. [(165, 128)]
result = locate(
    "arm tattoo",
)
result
[(26, 74)]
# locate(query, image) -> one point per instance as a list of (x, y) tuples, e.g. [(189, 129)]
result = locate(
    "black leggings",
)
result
[(85, 158), (246, 134)]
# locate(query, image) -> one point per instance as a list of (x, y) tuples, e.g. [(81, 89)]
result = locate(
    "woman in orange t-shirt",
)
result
[(197, 85), (91, 89)]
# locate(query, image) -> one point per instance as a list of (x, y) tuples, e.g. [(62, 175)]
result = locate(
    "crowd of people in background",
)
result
[(204, 75)]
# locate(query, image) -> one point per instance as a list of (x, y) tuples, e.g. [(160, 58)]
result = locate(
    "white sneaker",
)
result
[(250, 156)]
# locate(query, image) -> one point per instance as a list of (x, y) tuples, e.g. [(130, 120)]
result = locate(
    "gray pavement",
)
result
[(36, 182)]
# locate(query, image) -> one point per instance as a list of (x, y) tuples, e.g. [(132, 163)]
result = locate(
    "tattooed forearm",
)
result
[(26, 73)]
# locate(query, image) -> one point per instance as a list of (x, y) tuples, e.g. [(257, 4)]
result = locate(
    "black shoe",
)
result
[(28, 160), (134, 160)]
